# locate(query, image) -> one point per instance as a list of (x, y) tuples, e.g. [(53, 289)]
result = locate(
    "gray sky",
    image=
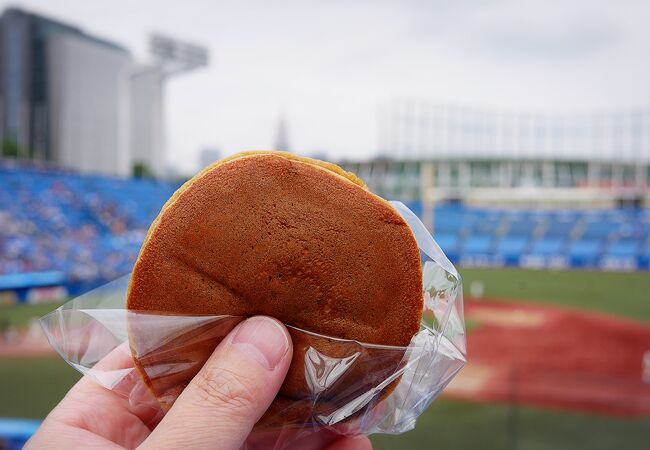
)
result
[(328, 65)]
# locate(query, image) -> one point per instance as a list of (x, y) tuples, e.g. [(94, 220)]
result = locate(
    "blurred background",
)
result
[(519, 131)]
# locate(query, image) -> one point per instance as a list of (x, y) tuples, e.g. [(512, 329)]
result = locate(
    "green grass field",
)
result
[(31, 387), (622, 294), (466, 426), (20, 315)]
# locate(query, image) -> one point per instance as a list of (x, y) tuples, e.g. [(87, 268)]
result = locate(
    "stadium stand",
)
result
[(88, 228), (83, 230), (478, 244), (449, 242), (584, 252), (547, 247), (511, 247), (594, 239), (14, 433), (624, 248)]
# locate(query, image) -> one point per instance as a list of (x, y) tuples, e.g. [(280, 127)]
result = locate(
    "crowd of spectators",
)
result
[(87, 227)]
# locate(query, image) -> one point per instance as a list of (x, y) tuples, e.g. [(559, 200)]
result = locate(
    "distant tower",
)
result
[(282, 138), (208, 156)]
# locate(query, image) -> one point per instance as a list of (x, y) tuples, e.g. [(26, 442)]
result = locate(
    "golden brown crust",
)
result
[(296, 239)]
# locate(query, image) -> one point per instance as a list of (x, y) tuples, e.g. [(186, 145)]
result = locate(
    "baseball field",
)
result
[(555, 361)]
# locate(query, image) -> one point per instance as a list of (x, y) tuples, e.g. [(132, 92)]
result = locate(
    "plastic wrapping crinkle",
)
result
[(351, 387)]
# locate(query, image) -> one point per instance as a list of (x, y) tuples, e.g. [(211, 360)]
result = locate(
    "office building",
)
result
[(146, 119), (78, 101), (63, 94)]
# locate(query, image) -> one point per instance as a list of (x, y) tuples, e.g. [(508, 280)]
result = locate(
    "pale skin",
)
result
[(217, 410)]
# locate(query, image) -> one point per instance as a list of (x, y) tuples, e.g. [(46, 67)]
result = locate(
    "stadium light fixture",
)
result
[(174, 56)]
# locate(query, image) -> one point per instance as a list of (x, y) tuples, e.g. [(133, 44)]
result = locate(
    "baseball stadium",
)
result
[(545, 215), (556, 288)]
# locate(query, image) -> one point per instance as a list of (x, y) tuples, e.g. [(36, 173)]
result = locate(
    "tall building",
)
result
[(63, 94), (147, 126), (208, 156), (82, 102), (88, 107), (282, 136)]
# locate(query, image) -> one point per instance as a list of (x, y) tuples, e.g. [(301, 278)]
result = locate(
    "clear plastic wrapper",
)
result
[(345, 387)]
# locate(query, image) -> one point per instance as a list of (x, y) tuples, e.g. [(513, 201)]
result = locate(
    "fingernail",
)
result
[(262, 338)]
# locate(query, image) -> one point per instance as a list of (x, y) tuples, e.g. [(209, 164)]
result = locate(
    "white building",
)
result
[(89, 86), (147, 127), (79, 101)]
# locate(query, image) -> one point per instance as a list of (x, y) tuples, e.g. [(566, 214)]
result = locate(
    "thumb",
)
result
[(231, 392)]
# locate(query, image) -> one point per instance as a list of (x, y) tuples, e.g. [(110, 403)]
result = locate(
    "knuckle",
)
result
[(225, 389)]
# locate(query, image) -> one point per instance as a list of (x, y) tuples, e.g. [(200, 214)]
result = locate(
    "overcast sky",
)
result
[(328, 65)]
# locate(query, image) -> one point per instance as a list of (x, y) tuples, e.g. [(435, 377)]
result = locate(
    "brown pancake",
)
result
[(273, 234)]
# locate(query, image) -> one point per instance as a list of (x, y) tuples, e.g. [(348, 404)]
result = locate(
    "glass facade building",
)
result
[(25, 97)]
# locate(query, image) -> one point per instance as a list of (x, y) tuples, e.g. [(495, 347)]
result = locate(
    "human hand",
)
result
[(218, 409)]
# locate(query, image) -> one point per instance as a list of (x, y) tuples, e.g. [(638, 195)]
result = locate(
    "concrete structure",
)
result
[(64, 94), (503, 158), (420, 130), (88, 105), (147, 139), (208, 156), (508, 182), (73, 99)]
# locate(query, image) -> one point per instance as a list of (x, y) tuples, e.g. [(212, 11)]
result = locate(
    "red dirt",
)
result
[(560, 358)]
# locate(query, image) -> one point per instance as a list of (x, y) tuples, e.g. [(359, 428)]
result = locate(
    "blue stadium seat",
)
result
[(644, 259), (548, 247), (447, 242), (599, 230), (624, 248), (477, 245), (512, 245), (484, 223), (584, 252), (14, 433), (416, 207), (448, 224), (557, 228), (524, 227), (511, 248)]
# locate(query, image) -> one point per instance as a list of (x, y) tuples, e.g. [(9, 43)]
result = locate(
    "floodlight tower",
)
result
[(170, 58), (174, 57)]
